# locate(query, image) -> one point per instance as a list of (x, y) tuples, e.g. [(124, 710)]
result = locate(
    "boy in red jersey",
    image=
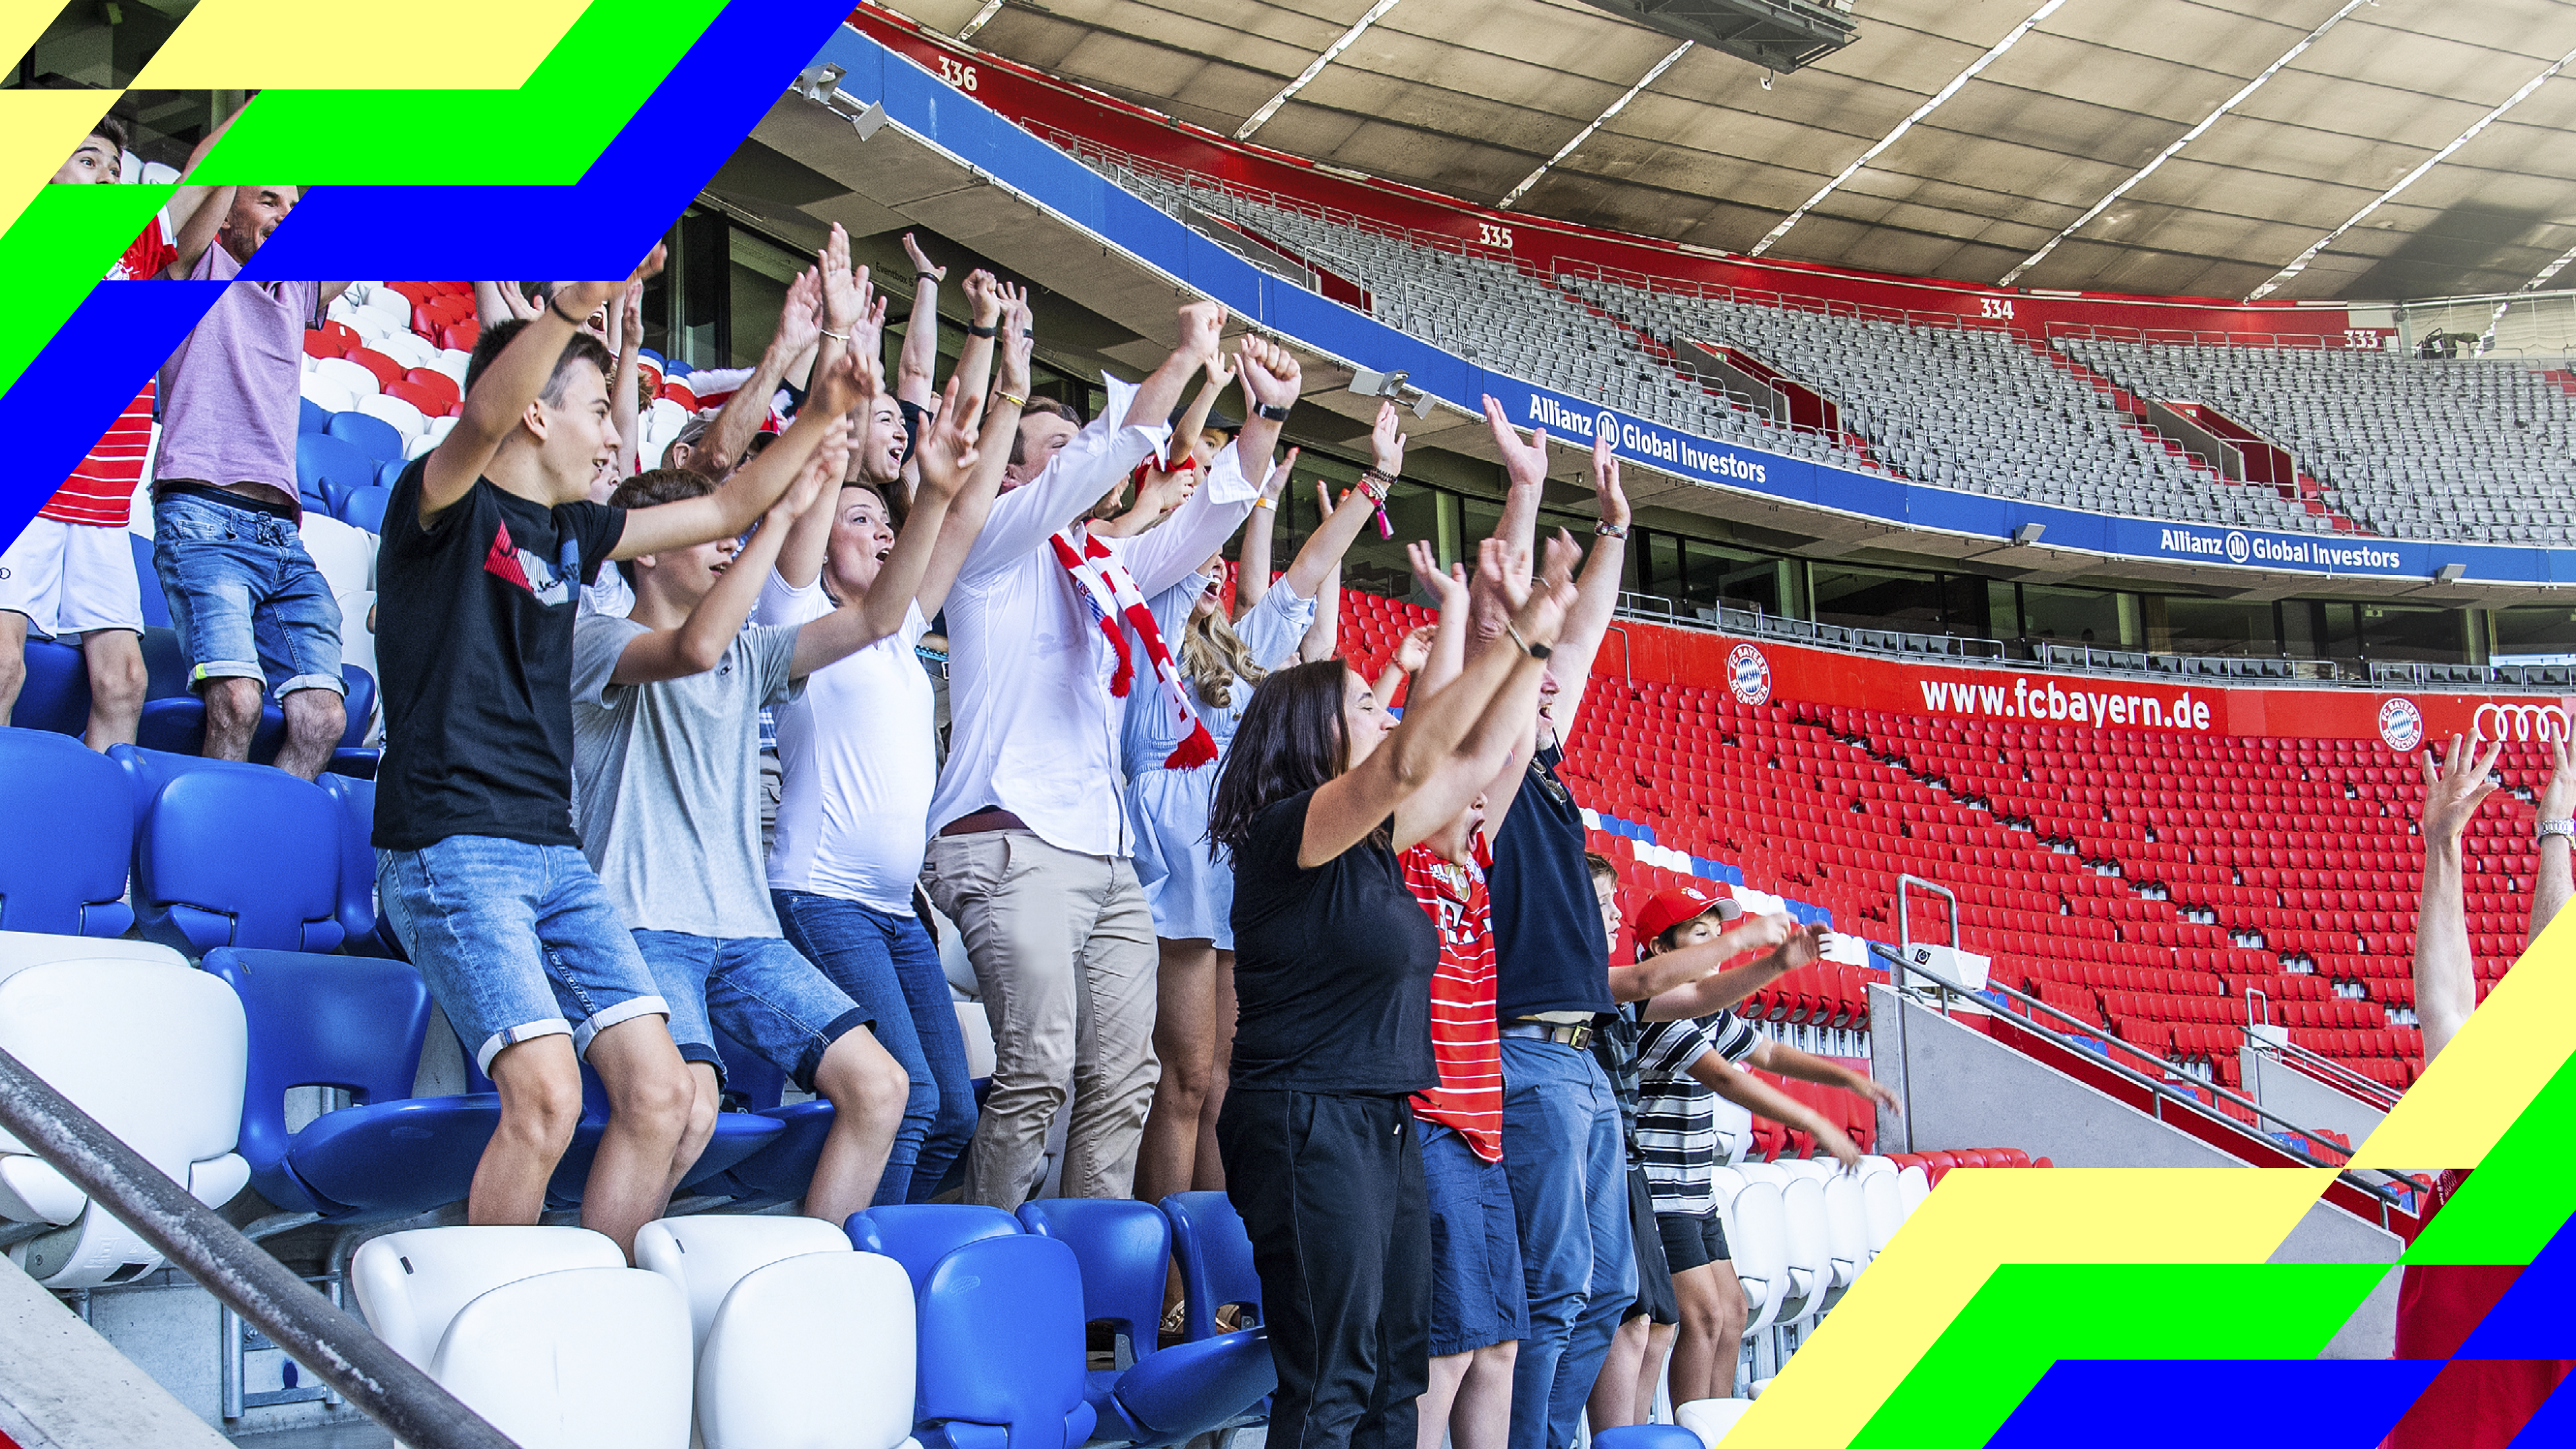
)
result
[(2472, 1403)]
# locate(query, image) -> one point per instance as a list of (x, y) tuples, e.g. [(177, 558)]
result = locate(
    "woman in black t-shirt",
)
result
[(1333, 970)]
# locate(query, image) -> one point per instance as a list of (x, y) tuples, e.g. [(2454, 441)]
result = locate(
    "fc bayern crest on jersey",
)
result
[(2401, 724), (1748, 674)]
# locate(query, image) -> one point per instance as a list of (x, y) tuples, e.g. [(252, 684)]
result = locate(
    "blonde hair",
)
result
[(1214, 657)]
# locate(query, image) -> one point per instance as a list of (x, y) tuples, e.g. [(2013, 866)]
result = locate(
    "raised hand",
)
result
[(983, 297), (1277, 482), (2453, 792), (1445, 586), (2558, 796), (1386, 443), (580, 299), (850, 383), (800, 317), (1837, 1146), (1415, 651), (1541, 613), (824, 468), (630, 315), (1525, 462), (1202, 330), (1270, 373), (1611, 499), (921, 261), (1019, 339), (846, 292), (1161, 492), (947, 450)]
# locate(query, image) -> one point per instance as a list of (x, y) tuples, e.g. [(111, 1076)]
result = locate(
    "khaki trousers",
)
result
[(1063, 949)]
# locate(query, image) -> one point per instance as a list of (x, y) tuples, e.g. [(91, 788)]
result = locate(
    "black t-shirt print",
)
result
[(474, 643), (1332, 967)]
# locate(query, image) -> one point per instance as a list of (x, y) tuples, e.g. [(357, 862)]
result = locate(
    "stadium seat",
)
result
[(148, 1047), (156, 609), (1169, 1395), (552, 1338), (799, 1340), (311, 417), (63, 858), (1001, 1348), (356, 798), (1214, 1254), (55, 693), (343, 375), (328, 465), (1882, 1207), (1648, 1436), (357, 1026), (407, 348), (234, 855), (384, 368), (920, 1234), (781, 1171), (365, 508), (374, 437), (437, 385), (331, 394), (1710, 1419), (423, 402), (406, 418)]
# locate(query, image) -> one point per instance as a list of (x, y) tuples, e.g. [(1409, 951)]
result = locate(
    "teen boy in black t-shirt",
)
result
[(488, 541)]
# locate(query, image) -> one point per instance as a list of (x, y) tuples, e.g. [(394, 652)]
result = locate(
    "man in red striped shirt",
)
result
[(70, 576)]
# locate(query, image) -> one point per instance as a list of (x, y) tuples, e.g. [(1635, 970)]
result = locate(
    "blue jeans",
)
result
[(517, 941), (758, 989), (1567, 1158), (245, 598), (889, 966)]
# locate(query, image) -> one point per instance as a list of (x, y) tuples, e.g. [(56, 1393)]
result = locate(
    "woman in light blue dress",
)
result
[(1191, 892)]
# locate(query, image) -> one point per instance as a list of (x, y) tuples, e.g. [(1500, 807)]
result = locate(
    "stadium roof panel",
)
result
[(1470, 97)]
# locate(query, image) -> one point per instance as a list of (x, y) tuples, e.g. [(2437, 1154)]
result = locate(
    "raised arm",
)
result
[(965, 517), (984, 302), (508, 388), (186, 201), (2555, 880), (700, 641), (1252, 570), (1525, 469), (1481, 752), (2446, 978), (1403, 671), (1763, 1100), (1209, 515), (1788, 1061), (1324, 636), (916, 367), (626, 328), (1424, 746), (752, 488), (850, 310), (1650, 979), (853, 316), (1185, 435), (213, 204), (947, 457), (1725, 990), (800, 326), (1598, 595), (499, 302), (1159, 493)]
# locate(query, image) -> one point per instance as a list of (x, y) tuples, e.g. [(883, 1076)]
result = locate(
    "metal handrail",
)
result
[(2162, 1090), (384, 1385), (2334, 1073)]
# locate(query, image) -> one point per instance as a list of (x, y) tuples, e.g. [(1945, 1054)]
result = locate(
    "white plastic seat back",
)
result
[(977, 1028), (1811, 1261), (356, 379), (1710, 1418), (1912, 1186), (411, 1285), (327, 393), (344, 552), (1882, 1208), (1734, 1130), (1723, 1184), (706, 1256), (1846, 1228), (1875, 1162), (406, 419), (371, 325), (1757, 1234), (452, 361), (1815, 1169), (587, 1358), (407, 347), (1770, 1172), (387, 302), (811, 1353)]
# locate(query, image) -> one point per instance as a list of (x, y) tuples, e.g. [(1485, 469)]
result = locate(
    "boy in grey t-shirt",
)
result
[(666, 797)]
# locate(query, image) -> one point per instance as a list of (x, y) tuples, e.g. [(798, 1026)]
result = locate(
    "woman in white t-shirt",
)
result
[(859, 760)]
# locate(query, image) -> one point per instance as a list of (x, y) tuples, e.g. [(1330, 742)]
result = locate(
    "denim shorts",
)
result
[(759, 990), (245, 598), (1477, 1296), (517, 941)]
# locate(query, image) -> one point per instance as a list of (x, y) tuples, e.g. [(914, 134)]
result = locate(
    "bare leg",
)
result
[(649, 1092), (117, 681), (868, 1089), (1712, 1331), (1730, 1328), (706, 1096), (1209, 1173), (1614, 1393), (1184, 1023), (232, 716), (1482, 1415), (315, 721), (1431, 1411), (540, 1086), (1659, 1346), (13, 661)]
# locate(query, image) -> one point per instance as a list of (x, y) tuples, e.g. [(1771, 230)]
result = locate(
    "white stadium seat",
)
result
[(1710, 1418), (328, 391), (345, 553), (407, 347), (407, 420), (1882, 1209), (355, 379), (452, 361)]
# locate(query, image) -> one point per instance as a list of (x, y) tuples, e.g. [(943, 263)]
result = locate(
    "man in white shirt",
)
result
[(1029, 848)]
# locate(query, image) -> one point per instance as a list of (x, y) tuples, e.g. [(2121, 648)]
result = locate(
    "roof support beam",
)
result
[(1891, 138), (982, 18), (1313, 69), (2299, 263), (2194, 134), (1598, 122), (2553, 269)]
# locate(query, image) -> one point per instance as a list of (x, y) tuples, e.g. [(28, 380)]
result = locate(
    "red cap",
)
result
[(1669, 908)]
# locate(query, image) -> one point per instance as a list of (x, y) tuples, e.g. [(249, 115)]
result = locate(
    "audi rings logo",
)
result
[(2401, 725), (2519, 722), (2239, 548), (1748, 674), (1606, 425)]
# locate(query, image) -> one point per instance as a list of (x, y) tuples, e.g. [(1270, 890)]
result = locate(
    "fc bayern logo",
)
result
[(1748, 674), (2401, 724), (2238, 548), (1606, 425)]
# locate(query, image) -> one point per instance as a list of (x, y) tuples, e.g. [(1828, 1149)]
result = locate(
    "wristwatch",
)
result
[(1273, 412), (2563, 829), (1611, 530)]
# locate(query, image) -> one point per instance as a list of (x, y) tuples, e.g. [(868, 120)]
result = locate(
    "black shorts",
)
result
[(1692, 1242), (1655, 1297)]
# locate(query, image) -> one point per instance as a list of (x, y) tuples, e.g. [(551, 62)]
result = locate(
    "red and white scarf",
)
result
[(1118, 606)]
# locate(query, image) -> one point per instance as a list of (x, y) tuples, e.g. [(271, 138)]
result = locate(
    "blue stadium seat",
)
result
[(156, 609), (373, 436), (390, 472), (165, 663), (359, 702), (177, 724), (63, 857), (1168, 1395), (1648, 1436), (365, 508), (238, 856), (1001, 1345), (738, 1135), (331, 1021), (357, 910), (327, 466), (918, 1235), (55, 696), (1215, 1256), (781, 1171), (311, 416)]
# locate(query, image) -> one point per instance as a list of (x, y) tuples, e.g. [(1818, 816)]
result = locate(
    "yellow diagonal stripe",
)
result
[(1978, 1220), (38, 130), (336, 45), (2510, 1047)]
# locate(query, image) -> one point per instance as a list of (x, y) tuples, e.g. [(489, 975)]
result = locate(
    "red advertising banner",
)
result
[(1760, 672)]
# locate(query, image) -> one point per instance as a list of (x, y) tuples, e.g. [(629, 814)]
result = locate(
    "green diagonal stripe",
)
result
[(60, 247), (2030, 1315), (2520, 1195), (548, 132)]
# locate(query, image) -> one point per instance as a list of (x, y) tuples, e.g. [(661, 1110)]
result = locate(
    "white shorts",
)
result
[(71, 579)]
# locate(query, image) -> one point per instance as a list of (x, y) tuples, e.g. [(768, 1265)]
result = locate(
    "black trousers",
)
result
[(1330, 1189)]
